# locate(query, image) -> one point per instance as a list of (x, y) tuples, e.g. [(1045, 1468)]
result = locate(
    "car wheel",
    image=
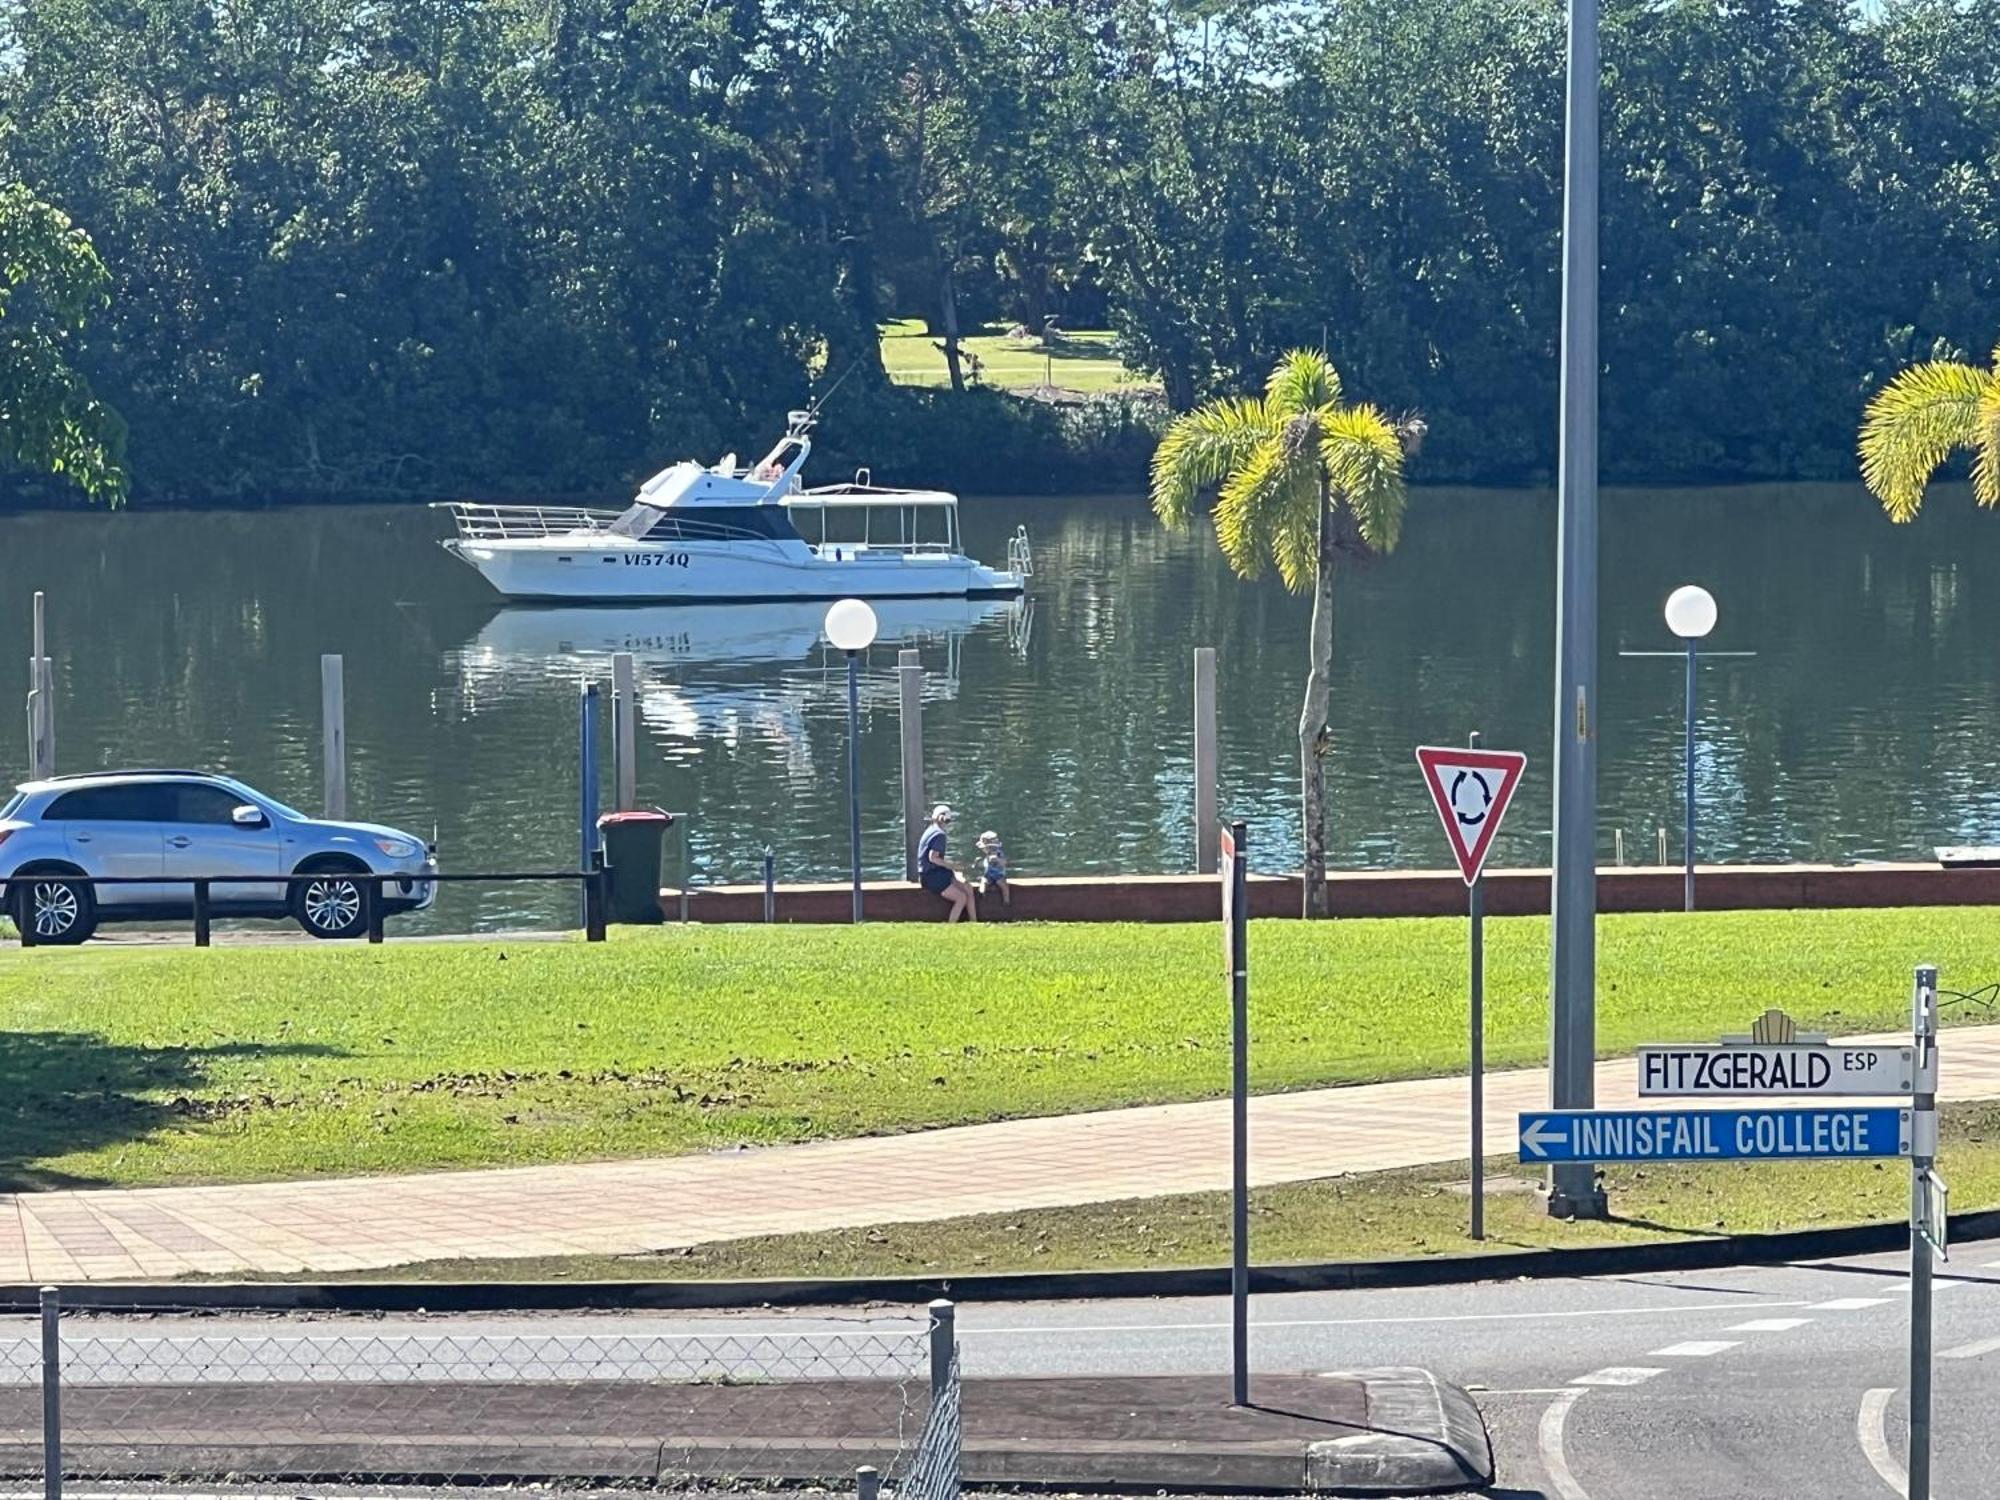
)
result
[(330, 905), (54, 910)]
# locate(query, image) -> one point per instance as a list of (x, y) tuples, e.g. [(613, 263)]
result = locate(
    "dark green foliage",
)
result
[(537, 247)]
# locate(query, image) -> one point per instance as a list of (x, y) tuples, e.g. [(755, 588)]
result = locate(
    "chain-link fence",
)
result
[(95, 1397)]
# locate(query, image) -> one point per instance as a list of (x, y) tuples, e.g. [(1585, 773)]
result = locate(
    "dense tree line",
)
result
[(533, 247)]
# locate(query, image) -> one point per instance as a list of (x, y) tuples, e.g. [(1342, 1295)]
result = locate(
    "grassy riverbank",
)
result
[(1377, 1216), (164, 1065), (1085, 360)]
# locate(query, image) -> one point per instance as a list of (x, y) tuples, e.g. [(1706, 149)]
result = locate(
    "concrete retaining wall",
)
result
[(1372, 893)]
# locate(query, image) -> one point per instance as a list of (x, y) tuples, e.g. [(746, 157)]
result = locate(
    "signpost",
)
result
[(1923, 1161), (1775, 1060), (1233, 868), (1471, 789)]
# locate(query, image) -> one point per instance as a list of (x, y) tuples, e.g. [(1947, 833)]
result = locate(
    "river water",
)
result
[(1865, 726)]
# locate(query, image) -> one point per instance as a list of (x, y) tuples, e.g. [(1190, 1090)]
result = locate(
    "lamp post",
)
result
[(1573, 1191), (850, 626), (1690, 615)]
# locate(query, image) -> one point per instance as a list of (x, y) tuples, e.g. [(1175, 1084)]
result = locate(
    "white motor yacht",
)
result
[(725, 533)]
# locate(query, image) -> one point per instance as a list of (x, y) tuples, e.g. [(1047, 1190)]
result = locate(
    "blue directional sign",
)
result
[(1712, 1134)]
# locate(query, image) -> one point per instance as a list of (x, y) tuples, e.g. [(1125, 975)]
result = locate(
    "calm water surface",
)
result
[(1866, 726)]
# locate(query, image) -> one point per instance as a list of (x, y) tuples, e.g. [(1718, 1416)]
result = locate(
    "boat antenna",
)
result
[(813, 406)]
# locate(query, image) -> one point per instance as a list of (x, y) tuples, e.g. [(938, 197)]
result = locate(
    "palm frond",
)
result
[(1986, 450), (1912, 425), (1363, 455), (1302, 380), (1201, 449), (1250, 508)]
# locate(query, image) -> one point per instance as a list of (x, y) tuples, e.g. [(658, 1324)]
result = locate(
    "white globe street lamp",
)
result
[(850, 626), (1690, 615), (1690, 611)]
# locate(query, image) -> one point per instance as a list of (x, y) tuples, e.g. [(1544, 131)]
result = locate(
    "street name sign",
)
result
[(1824, 1068), (1471, 790), (1712, 1134)]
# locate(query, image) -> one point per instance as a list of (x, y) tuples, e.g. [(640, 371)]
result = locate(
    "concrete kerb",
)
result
[(1426, 1436), (389, 1296)]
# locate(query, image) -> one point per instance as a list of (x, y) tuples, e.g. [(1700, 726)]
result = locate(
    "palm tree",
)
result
[(1919, 419), (1302, 481)]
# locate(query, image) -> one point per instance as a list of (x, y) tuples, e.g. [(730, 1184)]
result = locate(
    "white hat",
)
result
[(941, 813), (989, 837)]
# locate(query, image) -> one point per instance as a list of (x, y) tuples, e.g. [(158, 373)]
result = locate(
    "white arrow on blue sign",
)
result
[(1712, 1134)]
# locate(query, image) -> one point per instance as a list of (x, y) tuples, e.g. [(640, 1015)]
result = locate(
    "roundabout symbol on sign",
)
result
[(1472, 817)]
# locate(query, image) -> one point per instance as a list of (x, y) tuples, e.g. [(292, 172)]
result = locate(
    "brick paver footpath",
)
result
[(626, 1207)]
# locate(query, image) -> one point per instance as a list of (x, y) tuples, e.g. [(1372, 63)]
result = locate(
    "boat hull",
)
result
[(600, 570)]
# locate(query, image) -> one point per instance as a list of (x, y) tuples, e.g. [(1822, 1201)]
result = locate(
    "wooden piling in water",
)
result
[(910, 697), (333, 731), (1204, 761), (624, 731)]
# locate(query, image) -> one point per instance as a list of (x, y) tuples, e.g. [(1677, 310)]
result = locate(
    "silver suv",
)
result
[(162, 830)]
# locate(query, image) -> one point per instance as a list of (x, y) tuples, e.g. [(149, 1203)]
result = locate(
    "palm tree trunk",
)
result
[(1313, 718)]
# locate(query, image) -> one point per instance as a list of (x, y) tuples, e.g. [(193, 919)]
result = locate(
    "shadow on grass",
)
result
[(69, 1091), (1654, 1226)]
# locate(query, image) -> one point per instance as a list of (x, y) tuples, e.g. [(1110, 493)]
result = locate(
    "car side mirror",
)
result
[(247, 816)]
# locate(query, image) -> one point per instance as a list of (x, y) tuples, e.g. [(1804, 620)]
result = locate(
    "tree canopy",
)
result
[(533, 247), (50, 282)]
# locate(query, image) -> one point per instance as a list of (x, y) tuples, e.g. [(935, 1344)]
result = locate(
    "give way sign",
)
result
[(1471, 789)]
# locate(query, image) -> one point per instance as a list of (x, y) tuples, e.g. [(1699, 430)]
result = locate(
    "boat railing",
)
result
[(506, 523)]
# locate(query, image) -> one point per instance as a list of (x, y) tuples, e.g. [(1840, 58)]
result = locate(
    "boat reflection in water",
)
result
[(726, 673)]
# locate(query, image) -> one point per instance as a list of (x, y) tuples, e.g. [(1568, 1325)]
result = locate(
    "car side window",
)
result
[(131, 802), (203, 804)]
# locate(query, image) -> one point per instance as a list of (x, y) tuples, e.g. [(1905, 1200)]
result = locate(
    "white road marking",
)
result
[(1696, 1348), (1550, 1438), (1847, 1304), (1769, 1325), (1619, 1375), (1870, 1425), (1938, 1284), (1972, 1350), (1071, 1331)]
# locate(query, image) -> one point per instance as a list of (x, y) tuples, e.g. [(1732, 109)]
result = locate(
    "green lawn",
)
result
[(159, 1065), (1085, 362), (1379, 1216)]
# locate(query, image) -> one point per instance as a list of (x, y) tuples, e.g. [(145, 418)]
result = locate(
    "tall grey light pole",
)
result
[(850, 625), (1573, 1190)]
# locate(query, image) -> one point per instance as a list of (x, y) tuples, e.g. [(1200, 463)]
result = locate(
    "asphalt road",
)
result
[(1755, 1384)]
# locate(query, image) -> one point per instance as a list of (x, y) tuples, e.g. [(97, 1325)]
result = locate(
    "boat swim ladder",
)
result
[(1020, 557)]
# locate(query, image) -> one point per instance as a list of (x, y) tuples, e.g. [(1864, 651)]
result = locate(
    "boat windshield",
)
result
[(696, 523)]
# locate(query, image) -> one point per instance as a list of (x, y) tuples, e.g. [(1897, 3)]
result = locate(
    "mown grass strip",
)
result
[(171, 1064)]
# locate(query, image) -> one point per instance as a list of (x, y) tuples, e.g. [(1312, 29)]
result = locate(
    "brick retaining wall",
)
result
[(1372, 893)]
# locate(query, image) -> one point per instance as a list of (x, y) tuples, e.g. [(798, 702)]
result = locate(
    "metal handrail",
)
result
[(501, 523), (373, 895)]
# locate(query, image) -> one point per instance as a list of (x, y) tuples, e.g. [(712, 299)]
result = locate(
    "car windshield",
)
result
[(271, 802)]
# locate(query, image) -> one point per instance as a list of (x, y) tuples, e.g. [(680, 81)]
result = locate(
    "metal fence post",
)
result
[(594, 902), (41, 697), (51, 1393), (770, 885), (201, 914), (372, 898), (944, 1341), (867, 1483)]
